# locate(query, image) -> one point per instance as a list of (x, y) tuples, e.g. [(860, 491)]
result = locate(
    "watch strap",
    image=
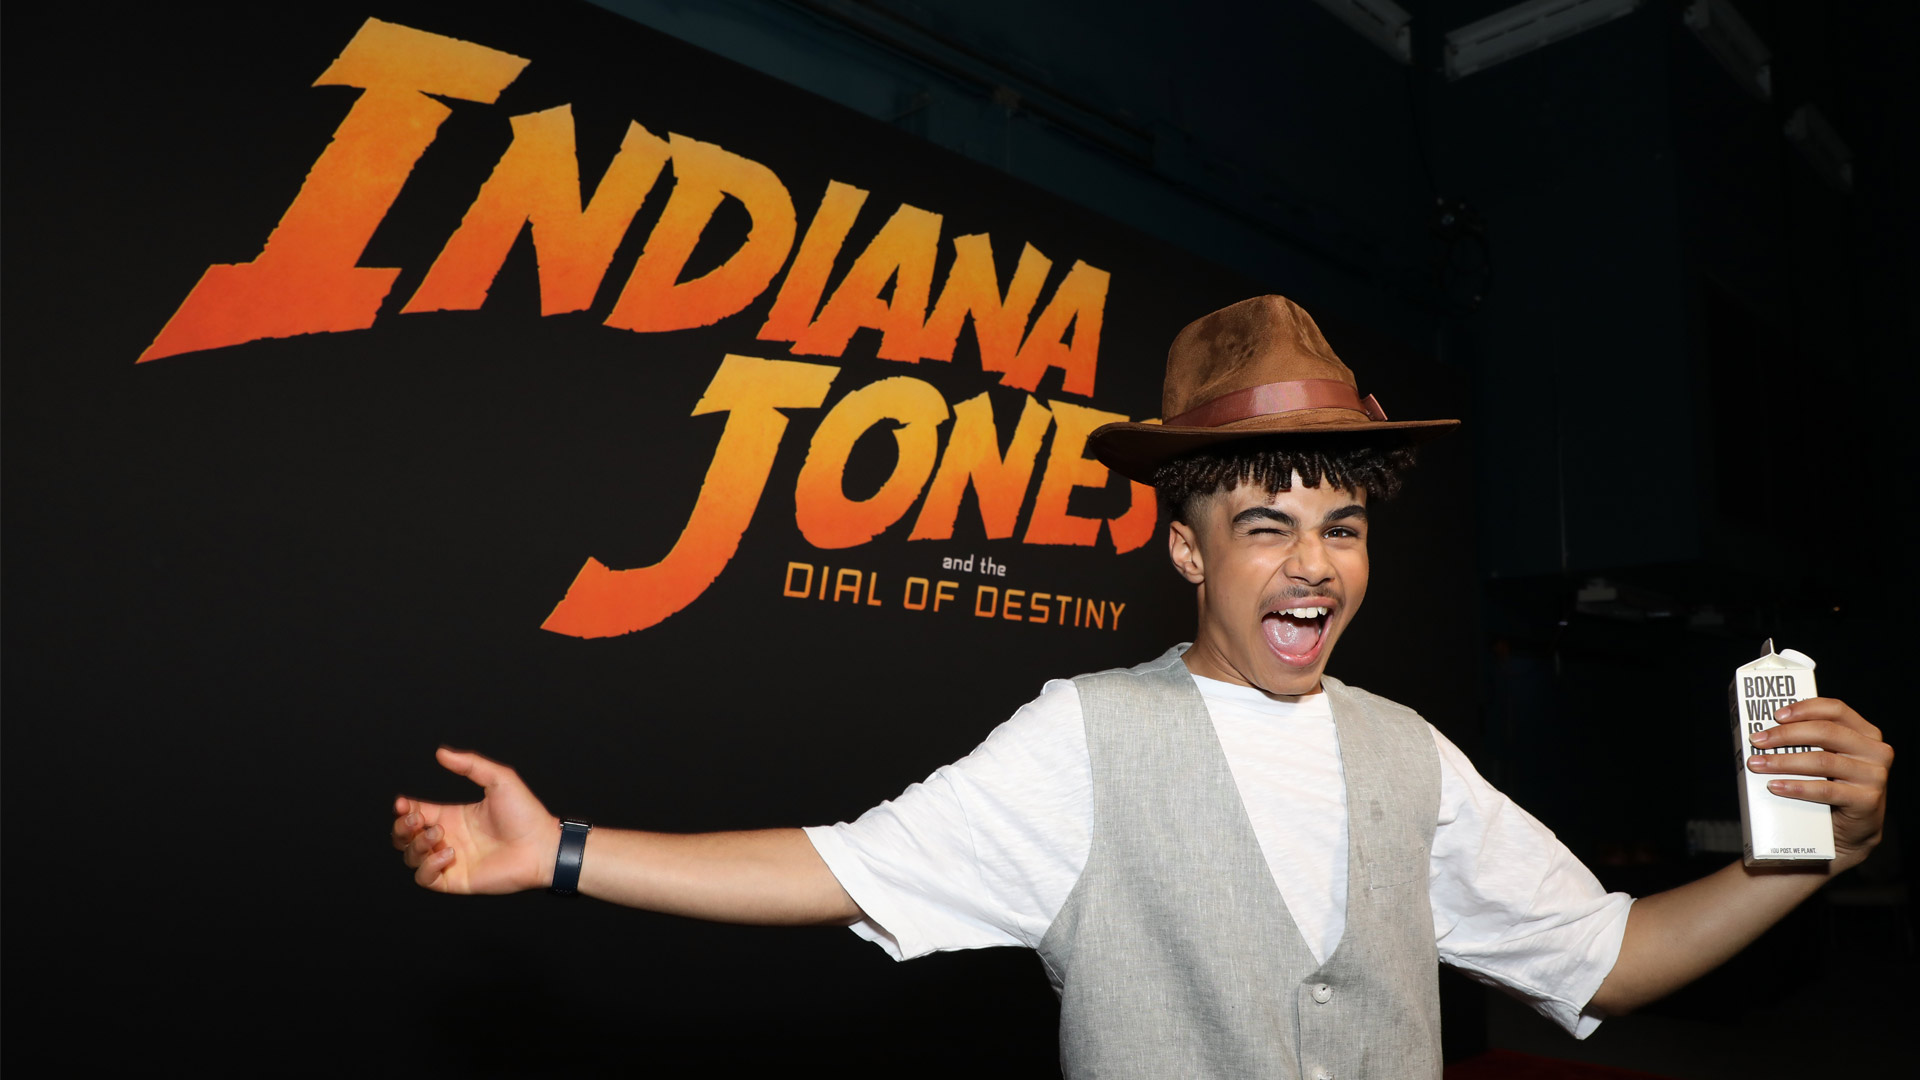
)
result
[(573, 848)]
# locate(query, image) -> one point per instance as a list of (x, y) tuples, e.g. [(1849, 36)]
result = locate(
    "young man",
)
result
[(1230, 863)]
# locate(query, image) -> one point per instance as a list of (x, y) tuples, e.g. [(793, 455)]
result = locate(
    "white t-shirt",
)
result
[(985, 851)]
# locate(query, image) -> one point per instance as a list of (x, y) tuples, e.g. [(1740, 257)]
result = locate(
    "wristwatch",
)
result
[(566, 864)]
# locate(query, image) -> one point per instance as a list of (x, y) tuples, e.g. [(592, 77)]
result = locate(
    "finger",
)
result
[(1827, 735), (417, 816), (432, 870), (405, 826), (428, 841), (1843, 767), (1830, 709), (1841, 796), (483, 771)]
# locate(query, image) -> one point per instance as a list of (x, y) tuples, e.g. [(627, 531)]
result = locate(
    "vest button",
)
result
[(1323, 994)]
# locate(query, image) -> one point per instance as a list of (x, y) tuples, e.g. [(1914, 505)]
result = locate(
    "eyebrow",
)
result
[(1262, 513), (1267, 513)]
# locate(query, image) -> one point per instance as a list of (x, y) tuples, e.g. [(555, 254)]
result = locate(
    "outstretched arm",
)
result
[(506, 843), (1677, 936)]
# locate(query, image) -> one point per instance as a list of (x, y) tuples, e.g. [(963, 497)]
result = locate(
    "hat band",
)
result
[(1278, 397)]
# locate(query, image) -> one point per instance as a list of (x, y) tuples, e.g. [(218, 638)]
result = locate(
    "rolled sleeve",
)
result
[(899, 864), (984, 851), (1513, 907)]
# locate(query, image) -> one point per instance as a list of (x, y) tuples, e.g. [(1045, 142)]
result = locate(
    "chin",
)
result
[(1286, 680)]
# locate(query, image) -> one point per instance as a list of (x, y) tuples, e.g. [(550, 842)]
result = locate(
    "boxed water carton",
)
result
[(1777, 831)]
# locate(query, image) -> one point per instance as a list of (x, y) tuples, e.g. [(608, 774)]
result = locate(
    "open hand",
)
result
[(1853, 757), (503, 843)]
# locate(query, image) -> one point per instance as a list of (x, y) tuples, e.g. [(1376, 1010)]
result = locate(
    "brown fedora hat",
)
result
[(1258, 368)]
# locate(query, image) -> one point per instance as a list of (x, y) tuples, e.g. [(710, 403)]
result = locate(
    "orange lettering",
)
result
[(807, 279), (973, 454), (1066, 470), (973, 288), (305, 280), (603, 602), (903, 252), (538, 181), (1080, 301), (906, 598), (654, 298), (827, 518), (981, 600), (1135, 527), (1010, 607)]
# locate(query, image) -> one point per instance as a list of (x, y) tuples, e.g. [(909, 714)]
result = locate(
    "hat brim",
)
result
[(1135, 450)]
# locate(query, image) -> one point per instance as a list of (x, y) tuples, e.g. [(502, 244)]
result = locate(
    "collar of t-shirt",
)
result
[(1308, 705), (1285, 759)]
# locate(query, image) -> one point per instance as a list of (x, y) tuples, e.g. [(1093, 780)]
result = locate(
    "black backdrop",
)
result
[(249, 589)]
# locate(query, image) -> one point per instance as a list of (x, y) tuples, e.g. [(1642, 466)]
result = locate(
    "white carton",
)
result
[(1777, 831)]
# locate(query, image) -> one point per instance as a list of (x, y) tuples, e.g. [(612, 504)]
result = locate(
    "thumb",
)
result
[(481, 770)]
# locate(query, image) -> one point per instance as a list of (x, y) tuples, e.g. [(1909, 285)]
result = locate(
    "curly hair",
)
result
[(1270, 464)]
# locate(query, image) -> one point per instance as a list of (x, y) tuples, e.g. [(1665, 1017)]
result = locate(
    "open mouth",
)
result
[(1295, 634)]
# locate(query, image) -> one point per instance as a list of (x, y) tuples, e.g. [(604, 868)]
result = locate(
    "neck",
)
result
[(1209, 662)]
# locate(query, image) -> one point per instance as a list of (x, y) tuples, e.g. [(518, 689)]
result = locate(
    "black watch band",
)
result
[(566, 864)]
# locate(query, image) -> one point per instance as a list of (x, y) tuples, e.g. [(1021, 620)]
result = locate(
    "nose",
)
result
[(1308, 563)]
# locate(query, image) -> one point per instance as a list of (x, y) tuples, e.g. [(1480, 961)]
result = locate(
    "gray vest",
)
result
[(1175, 956)]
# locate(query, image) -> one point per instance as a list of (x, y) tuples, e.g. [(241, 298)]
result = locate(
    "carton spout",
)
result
[(1770, 659)]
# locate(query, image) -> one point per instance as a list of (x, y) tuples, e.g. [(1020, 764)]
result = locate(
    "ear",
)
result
[(1183, 547)]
